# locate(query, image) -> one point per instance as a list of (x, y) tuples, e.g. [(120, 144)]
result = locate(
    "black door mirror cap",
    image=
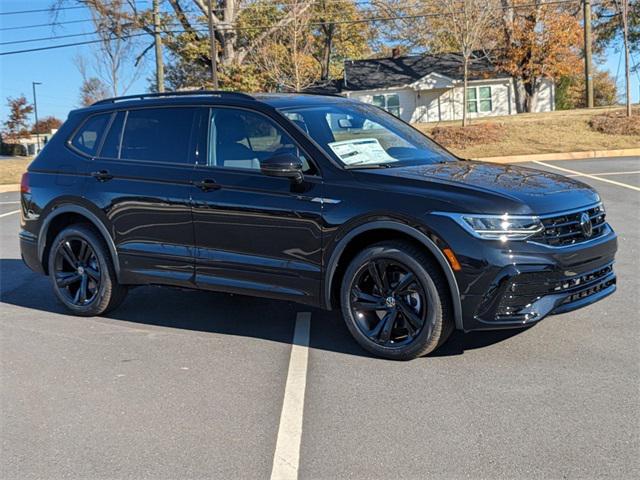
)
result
[(283, 165)]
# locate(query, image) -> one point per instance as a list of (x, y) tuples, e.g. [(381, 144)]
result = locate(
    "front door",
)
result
[(254, 233), (141, 180)]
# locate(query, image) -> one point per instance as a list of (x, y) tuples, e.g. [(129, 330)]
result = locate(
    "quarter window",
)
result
[(479, 99), (88, 138), (241, 139), (158, 135), (389, 102), (111, 145)]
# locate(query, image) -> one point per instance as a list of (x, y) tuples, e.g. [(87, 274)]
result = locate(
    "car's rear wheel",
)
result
[(395, 301), (82, 273)]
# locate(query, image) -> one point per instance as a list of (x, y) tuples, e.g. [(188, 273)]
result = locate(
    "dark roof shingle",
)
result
[(398, 71)]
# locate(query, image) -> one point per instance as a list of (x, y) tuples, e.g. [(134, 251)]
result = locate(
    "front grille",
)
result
[(565, 229), (526, 288)]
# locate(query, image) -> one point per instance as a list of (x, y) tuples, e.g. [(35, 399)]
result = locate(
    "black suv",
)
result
[(319, 200)]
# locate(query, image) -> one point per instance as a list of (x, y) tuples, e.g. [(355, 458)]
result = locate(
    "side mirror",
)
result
[(283, 165)]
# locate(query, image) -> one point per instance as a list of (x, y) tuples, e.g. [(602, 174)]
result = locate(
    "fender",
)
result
[(417, 235), (72, 208)]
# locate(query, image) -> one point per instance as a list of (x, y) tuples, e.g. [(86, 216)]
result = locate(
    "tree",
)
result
[(570, 91), (286, 57), (46, 124), (92, 90), (17, 123), (541, 39), (608, 25), (466, 23), (114, 59)]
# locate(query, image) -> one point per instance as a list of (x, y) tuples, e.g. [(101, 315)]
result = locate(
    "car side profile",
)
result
[(319, 200)]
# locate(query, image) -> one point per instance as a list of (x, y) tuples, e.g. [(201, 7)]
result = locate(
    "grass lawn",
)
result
[(12, 168), (553, 132)]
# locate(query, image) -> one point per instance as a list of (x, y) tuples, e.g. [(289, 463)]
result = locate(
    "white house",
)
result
[(429, 88)]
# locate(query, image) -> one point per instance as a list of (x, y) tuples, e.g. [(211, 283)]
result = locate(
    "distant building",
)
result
[(429, 88), (30, 143)]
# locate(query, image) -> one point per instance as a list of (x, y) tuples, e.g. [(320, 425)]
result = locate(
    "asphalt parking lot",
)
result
[(185, 384)]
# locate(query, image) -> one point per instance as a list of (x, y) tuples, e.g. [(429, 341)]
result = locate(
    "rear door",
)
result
[(141, 180), (254, 233)]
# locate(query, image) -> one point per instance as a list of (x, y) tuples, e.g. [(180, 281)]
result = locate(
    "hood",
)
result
[(509, 188)]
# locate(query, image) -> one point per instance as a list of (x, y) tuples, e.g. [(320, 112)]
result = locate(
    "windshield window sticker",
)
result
[(361, 151)]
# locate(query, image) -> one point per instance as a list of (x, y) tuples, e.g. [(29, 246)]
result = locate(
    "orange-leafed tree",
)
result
[(542, 39), (46, 124), (16, 125)]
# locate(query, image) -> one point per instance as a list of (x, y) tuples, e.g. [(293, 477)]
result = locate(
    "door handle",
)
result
[(102, 175), (207, 184)]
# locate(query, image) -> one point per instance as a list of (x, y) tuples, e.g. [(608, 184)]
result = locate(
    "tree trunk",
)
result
[(520, 95), (531, 99), (465, 121), (326, 51)]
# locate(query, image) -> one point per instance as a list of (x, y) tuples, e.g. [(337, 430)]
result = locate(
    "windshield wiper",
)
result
[(368, 165)]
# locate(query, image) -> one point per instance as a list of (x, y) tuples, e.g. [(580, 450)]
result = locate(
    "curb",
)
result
[(15, 187), (541, 157)]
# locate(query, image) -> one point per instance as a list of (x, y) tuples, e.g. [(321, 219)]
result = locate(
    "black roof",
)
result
[(399, 71)]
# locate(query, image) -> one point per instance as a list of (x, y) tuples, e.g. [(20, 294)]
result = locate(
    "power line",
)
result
[(50, 24), (264, 26), (54, 9)]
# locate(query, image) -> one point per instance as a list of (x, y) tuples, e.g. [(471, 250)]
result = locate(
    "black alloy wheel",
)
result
[(82, 271), (388, 303), (77, 271), (395, 301)]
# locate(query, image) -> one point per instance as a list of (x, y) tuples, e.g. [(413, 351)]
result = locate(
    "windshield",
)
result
[(360, 136)]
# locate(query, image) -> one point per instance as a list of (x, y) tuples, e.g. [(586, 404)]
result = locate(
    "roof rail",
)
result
[(182, 93)]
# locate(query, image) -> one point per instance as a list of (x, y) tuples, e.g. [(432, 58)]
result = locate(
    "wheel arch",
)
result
[(400, 229), (68, 214)]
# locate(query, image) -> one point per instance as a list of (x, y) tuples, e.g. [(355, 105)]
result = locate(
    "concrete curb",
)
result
[(10, 188), (541, 157)]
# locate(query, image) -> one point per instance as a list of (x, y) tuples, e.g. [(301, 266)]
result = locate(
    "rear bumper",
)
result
[(29, 251)]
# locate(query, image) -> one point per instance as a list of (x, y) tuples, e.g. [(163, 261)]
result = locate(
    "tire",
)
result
[(425, 298), (72, 265)]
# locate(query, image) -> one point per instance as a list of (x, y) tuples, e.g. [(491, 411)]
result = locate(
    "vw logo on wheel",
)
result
[(586, 225)]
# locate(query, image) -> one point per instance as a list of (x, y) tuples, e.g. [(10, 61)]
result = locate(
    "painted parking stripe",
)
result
[(606, 174), (287, 455), (9, 203), (9, 213), (620, 184)]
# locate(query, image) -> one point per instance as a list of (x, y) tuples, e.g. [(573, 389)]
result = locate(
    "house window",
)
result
[(389, 102), (479, 99)]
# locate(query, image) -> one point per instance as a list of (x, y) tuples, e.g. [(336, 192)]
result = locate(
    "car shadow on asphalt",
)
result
[(219, 313)]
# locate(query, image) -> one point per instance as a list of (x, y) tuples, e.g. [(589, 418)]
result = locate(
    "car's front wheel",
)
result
[(82, 273), (395, 301)]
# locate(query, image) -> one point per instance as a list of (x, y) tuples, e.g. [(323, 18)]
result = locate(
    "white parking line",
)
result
[(9, 213), (8, 203), (606, 174), (580, 174), (287, 455)]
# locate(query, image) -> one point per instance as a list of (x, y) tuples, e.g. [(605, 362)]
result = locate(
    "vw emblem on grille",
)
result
[(586, 225)]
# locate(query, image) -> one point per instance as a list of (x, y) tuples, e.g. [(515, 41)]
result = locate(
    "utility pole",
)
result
[(588, 72), (158, 44), (214, 50), (35, 111), (625, 36)]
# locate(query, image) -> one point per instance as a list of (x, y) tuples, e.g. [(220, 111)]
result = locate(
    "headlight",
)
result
[(500, 227)]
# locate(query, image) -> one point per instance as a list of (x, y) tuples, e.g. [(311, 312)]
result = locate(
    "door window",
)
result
[(87, 139), (158, 135), (241, 139)]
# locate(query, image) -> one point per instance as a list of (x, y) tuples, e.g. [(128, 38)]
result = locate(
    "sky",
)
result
[(60, 78)]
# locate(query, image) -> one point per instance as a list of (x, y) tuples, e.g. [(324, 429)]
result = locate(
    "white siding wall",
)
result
[(422, 105)]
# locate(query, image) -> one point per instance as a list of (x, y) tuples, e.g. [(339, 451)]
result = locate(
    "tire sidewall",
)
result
[(428, 336), (102, 299)]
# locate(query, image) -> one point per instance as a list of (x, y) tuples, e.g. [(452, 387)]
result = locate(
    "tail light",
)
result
[(24, 183)]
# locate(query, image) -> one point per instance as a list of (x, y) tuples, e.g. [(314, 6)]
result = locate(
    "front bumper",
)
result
[(515, 284)]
